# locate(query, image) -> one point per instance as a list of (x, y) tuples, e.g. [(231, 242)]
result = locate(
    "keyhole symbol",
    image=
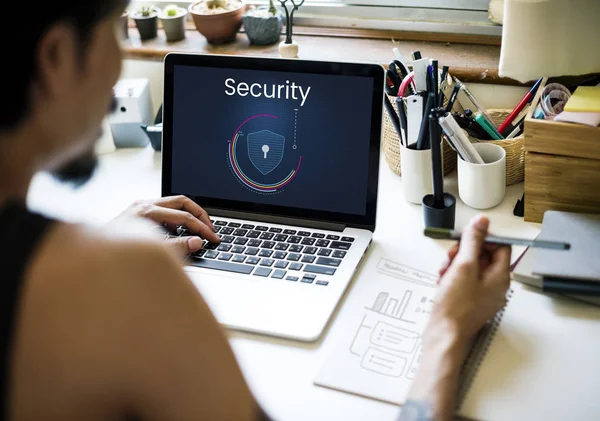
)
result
[(265, 150)]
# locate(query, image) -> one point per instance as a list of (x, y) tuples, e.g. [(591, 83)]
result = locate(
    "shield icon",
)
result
[(265, 150)]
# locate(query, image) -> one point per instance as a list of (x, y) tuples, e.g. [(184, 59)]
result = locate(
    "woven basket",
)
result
[(515, 150), (391, 147)]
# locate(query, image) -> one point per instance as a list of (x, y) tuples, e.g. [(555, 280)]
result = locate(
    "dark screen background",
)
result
[(332, 132)]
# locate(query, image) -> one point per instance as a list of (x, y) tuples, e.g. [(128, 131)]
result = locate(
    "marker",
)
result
[(420, 68), (526, 100), (446, 234), (485, 124)]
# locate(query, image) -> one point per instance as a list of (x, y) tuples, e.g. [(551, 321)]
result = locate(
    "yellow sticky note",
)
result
[(585, 99)]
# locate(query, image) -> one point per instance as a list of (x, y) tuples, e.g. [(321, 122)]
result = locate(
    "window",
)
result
[(444, 16)]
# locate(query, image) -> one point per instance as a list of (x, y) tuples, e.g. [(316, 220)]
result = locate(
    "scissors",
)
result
[(396, 73)]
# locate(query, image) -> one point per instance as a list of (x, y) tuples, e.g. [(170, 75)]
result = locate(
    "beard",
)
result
[(79, 170)]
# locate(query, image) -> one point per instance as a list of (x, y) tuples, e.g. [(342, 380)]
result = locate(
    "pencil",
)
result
[(446, 234)]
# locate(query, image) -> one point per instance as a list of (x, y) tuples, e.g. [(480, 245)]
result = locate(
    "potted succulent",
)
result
[(263, 24), (173, 21), (218, 20), (146, 20), (125, 24)]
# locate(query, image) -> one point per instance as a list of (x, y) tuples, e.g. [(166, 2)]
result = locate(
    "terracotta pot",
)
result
[(218, 28)]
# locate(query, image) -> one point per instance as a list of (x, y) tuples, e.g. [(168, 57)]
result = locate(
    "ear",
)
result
[(57, 60)]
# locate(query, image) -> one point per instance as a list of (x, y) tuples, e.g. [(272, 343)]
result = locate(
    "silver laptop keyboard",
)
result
[(293, 255)]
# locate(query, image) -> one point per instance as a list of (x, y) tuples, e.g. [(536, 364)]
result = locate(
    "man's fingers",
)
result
[(186, 245), (472, 239), (451, 255), (186, 204), (169, 216), (499, 268)]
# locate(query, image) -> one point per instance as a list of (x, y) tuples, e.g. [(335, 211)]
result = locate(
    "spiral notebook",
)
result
[(380, 354), (537, 355)]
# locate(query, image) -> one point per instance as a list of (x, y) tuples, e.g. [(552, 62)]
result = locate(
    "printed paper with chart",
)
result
[(380, 354)]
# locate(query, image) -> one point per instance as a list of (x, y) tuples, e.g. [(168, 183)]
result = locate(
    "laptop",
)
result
[(284, 155)]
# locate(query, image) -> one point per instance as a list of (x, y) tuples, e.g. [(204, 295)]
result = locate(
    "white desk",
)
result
[(280, 372)]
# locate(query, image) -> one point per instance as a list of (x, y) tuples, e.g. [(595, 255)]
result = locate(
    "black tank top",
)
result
[(20, 234)]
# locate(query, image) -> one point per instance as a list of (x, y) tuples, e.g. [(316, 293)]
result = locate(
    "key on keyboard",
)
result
[(254, 243), (224, 266), (338, 245), (265, 253)]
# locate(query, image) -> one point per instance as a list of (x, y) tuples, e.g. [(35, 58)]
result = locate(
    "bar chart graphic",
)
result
[(388, 340)]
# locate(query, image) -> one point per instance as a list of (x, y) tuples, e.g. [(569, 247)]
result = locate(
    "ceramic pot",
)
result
[(147, 25), (218, 28), (262, 28), (174, 26)]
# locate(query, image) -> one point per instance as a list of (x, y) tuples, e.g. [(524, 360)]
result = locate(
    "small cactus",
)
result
[(213, 4), (145, 11), (171, 10)]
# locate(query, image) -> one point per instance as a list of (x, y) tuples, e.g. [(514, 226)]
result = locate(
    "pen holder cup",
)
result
[(392, 151), (482, 186), (441, 216), (514, 148), (417, 178)]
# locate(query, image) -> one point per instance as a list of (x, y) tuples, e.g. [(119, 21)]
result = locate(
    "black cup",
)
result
[(439, 217)]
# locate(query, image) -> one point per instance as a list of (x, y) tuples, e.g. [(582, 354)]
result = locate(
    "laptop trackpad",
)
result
[(271, 306)]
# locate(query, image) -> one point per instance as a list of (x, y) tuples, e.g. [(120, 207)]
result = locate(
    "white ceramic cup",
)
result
[(482, 186), (415, 167)]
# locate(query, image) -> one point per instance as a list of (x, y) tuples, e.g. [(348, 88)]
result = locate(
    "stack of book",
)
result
[(574, 272)]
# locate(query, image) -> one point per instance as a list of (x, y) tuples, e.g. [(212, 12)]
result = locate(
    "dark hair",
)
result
[(19, 71)]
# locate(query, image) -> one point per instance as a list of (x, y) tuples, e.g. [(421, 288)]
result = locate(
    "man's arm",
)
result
[(112, 328), (176, 358), (473, 288)]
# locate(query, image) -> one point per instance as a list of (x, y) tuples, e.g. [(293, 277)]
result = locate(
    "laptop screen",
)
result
[(296, 142)]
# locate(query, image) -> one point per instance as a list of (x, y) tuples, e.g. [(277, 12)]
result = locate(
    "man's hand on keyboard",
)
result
[(175, 211)]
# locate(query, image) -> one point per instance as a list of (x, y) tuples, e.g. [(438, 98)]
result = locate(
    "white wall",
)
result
[(490, 96)]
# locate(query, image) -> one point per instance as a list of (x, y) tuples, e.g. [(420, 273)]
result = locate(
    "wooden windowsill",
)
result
[(469, 62)]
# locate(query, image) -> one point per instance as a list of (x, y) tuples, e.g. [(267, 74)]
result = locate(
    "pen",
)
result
[(442, 80), (446, 234), (452, 99), (434, 71), (424, 129), (436, 160), (516, 132), (526, 100), (403, 120)]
